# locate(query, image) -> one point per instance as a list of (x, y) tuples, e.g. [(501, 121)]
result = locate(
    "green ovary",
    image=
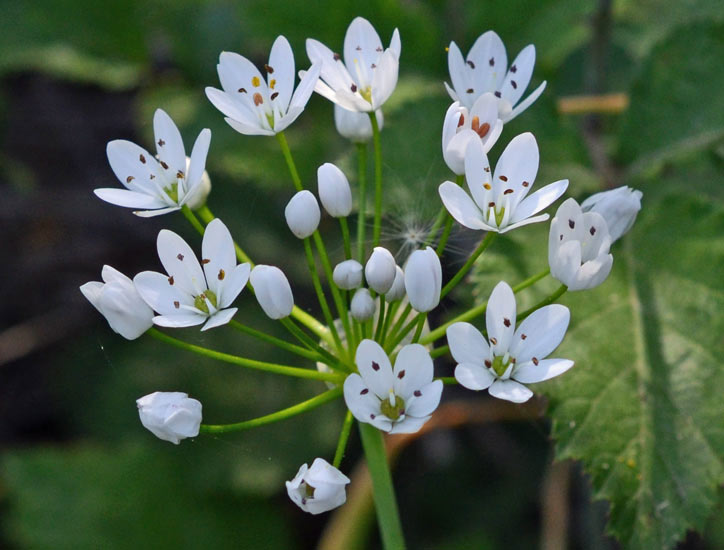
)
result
[(499, 366), (172, 192), (200, 301), (393, 412)]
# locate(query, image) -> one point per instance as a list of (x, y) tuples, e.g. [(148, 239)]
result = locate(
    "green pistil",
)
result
[(200, 300), (172, 192), (366, 94), (499, 216), (308, 491), (393, 412), (270, 120), (498, 366)]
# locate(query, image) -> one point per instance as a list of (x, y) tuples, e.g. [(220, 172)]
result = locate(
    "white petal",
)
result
[(362, 44), (516, 81), (454, 152), (487, 76), (133, 166), (360, 400), (527, 102), (408, 425), (281, 61), (500, 318), (458, 75), (395, 44), (384, 79), (92, 291), (478, 175), (179, 321), (517, 166), (424, 400), (461, 206), (544, 330), (154, 213), (198, 160), (530, 373), (565, 262), (510, 390), (172, 151), (473, 376), (467, 344), (236, 72), (161, 296), (180, 262), (413, 370), (129, 199), (233, 108), (219, 318), (306, 87), (375, 368), (247, 129), (528, 221), (451, 92), (539, 200), (218, 248), (596, 240), (234, 283), (592, 273)]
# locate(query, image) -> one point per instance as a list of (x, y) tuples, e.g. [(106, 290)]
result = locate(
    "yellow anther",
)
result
[(273, 83), (255, 82)]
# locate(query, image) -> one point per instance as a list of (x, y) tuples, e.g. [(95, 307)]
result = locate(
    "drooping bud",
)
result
[(397, 292), (348, 274), (318, 489), (618, 207), (302, 214), (355, 126), (380, 270), (362, 307), (272, 291), (334, 191), (423, 279), (171, 416)]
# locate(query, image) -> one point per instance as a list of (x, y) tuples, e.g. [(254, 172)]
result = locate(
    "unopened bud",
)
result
[(171, 416), (302, 214), (423, 279), (355, 126), (348, 274), (397, 292), (272, 291), (362, 307), (380, 270), (334, 191)]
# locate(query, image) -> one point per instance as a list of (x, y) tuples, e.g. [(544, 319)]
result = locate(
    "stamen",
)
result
[(526, 184), (494, 341), (508, 192), (513, 69), (152, 177), (491, 61), (503, 178), (592, 230), (164, 165), (272, 83), (364, 391), (358, 48), (523, 336), (379, 49), (258, 100), (535, 361), (417, 393), (372, 416), (353, 87), (129, 179), (487, 186), (472, 65), (401, 375), (506, 321), (571, 224), (242, 90), (268, 69), (497, 94), (561, 238), (180, 257), (373, 66), (176, 304), (475, 124), (255, 82), (375, 366), (491, 205), (488, 363), (483, 130), (205, 261), (170, 280), (179, 174), (161, 143), (470, 91), (513, 83), (336, 57), (462, 120), (221, 275), (142, 158), (487, 168), (274, 96)]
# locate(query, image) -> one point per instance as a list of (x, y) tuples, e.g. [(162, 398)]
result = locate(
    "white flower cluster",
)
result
[(487, 93)]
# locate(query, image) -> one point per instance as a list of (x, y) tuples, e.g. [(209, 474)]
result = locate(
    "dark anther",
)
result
[(506, 322), (513, 69), (535, 361), (488, 363), (497, 94), (375, 366), (469, 91), (129, 179), (364, 392), (142, 159), (401, 375), (571, 224), (508, 192), (268, 69), (353, 87), (504, 178), (205, 261), (592, 230), (526, 184), (164, 165), (274, 96), (242, 90), (161, 143), (176, 304), (494, 341), (523, 336), (514, 84), (221, 274), (170, 280), (417, 393), (336, 57), (472, 65), (180, 257), (491, 61)]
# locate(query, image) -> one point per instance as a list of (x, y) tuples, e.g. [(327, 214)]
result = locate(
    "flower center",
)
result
[(366, 93), (172, 192), (499, 215), (308, 491), (500, 364), (200, 301), (393, 407)]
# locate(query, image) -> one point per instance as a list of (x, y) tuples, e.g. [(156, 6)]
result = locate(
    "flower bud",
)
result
[(380, 270), (362, 307), (334, 191), (171, 416), (202, 190), (119, 302), (302, 214), (272, 291), (618, 207), (423, 279), (348, 274), (318, 489), (355, 126), (397, 292)]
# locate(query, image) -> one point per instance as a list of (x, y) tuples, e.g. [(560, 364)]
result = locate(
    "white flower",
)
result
[(368, 75), (318, 489), (484, 70), (394, 401), (380, 270), (334, 191), (348, 274), (119, 302), (423, 279), (500, 203), (190, 295), (362, 307), (355, 125), (510, 357), (397, 292), (163, 185), (461, 126), (171, 416), (257, 107), (618, 207), (272, 291), (302, 214), (578, 245)]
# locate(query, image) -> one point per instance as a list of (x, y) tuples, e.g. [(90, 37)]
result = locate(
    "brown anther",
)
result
[(258, 100), (268, 69), (487, 186), (497, 94), (221, 275), (364, 392), (353, 87), (523, 336), (491, 204), (205, 261), (417, 393), (170, 280), (508, 192), (152, 177), (179, 174), (571, 224), (461, 121), (336, 57), (503, 178), (375, 366), (358, 48), (592, 230), (488, 363), (372, 416), (379, 49), (526, 184), (472, 65), (512, 360), (513, 69), (242, 90), (176, 304), (180, 257), (161, 143), (483, 130), (470, 91), (506, 322), (401, 375), (491, 61), (487, 168), (165, 166), (373, 66), (494, 341), (514, 84), (274, 96), (535, 361), (561, 237), (129, 179)]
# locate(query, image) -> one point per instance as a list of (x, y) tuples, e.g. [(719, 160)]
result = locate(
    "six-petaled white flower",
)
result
[(171, 416), (318, 489), (368, 75), (486, 70), (500, 203), (190, 295), (462, 125), (158, 185), (254, 106), (509, 358), (578, 245), (394, 401)]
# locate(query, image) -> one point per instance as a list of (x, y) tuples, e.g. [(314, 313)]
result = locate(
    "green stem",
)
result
[(191, 217), (303, 352), (489, 238), (445, 236), (560, 291), (361, 221), (281, 138), (345, 238), (299, 408), (439, 220), (399, 323), (420, 323), (391, 310), (249, 363), (378, 179), (300, 335), (380, 319), (208, 217), (447, 380), (439, 351), (388, 517), (343, 438), (418, 320)]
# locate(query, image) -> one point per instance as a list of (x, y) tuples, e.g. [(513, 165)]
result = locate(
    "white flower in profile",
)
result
[(257, 107), (618, 207), (368, 75), (578, 245), (355, 125), (486, 70), (273, 291), (394, 401), (462, 125), (191, 295), (163, 184), (118, 301), (500, 203), (318, 489), (509, 358), (171, 416)]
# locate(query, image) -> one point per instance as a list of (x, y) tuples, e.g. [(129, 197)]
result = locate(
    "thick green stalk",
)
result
[(300, 335), (439, 220), (398, 324), (282, 139), (361, 221), (378, 179), (489, 238), (388, 516), (560, 291), (249, 363), (418, 320), (380, 320), (193, 220), (448, 222), (343, 438), (299, 408), (303, 352), (345, 238)]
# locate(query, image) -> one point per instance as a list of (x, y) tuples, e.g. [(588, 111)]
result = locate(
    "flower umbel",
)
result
[(509, 358)]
